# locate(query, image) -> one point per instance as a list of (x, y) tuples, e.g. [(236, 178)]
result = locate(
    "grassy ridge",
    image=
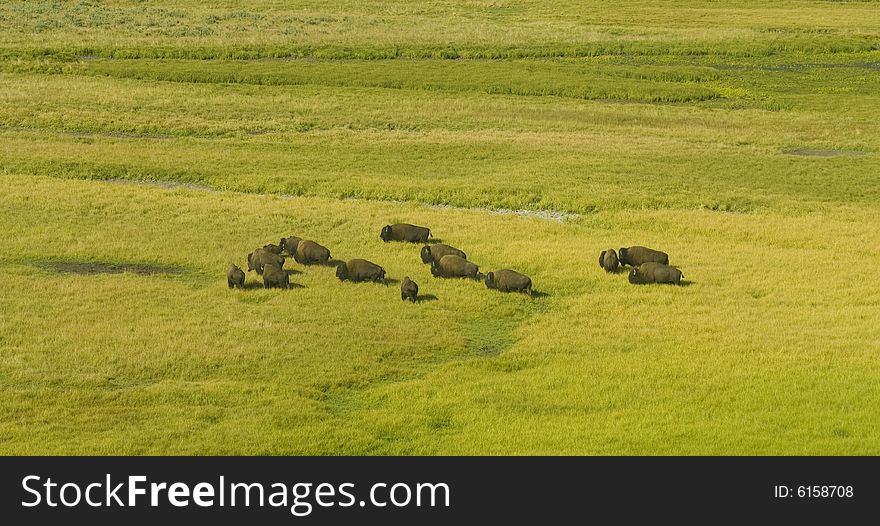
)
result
[(741, 137), (431, 29)]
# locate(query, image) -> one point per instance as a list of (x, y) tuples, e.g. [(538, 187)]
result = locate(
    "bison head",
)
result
[(250, 260), (426, 254), (385, 234), (490, 280), (342, 272), (435, 269), (634, 276), (289, 244)]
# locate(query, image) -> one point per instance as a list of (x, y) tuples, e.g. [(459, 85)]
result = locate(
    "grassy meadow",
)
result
[(743, 138)]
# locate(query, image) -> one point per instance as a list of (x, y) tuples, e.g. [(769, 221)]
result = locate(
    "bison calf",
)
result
[(653, 272), (405, 232), (432, 253), (275, 277), (360, 270), (409, 290), (507, 280), (235, 277), (608, 260), (635, 256), (452, 266)]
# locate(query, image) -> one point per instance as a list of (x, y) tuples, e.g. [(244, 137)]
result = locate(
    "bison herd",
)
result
[(445, 261), (648, 265)]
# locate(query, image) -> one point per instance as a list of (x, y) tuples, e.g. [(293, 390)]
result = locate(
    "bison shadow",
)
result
[(334, 262), (258, 285), (426, 297), (540, 294)]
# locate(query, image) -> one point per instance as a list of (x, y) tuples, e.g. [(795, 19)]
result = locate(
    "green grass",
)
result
[(742, 138)]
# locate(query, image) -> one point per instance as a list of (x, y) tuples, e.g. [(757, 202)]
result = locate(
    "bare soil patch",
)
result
[(104, 267)]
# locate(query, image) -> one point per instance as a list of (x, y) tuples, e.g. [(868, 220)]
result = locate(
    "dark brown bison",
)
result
[(507, 280), (635, 256), (608, 260), (452, 266), (432, 253), (235, 277), (288, 244), (274, 277), (275, 249), (308, 253), (652, 272), (405, 232), (360, 270), (409, 290), (259, 258)]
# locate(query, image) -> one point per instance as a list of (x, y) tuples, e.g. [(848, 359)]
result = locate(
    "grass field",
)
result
[(741, 137)]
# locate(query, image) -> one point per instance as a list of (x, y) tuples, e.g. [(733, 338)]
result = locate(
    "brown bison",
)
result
[(288, 244), (275, 277), (409, 290), (608, 260), (259, 258), (308, 253), (652, 272), (507, 280), (405, 232), (432, 253), (452, 266), (235, 277), (635, 256), (360, 270)]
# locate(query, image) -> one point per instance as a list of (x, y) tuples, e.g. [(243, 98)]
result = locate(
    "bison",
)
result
[(308, 252), (452, 266), (409, 290), (288, 244), (405, 232), (360, 270), (275, 277), (432, 253), (235, 277), (507, 280), (635, 256), (608, 260), (259, 258), (653, 272)]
